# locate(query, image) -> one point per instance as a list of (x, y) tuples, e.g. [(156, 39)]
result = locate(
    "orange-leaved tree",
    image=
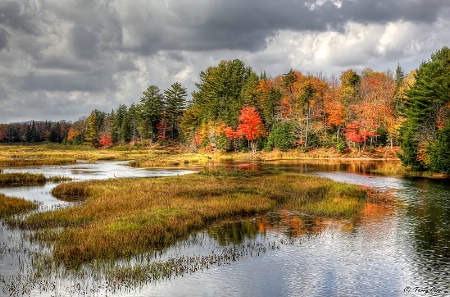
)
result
[(251, 125)]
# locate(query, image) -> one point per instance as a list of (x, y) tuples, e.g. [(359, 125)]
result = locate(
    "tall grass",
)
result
[(27, 179), (21, 179), (123, 217), (10, 206)]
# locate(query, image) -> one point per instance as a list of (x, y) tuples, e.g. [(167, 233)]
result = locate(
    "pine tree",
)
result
[(175, 105), (152, 106), (423, 104)]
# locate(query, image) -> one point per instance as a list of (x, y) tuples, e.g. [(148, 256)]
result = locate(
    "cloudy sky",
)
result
[(60, 59)]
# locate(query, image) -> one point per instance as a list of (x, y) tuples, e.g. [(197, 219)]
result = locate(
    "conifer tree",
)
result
[(175, 105), (423, 104)]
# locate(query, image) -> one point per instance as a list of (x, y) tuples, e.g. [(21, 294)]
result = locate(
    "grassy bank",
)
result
[(27, 179), (158, 156), (123, 217), (10, 206), (58, 154)]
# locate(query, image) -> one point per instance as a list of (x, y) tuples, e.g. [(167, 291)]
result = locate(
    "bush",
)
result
[(280, 137)]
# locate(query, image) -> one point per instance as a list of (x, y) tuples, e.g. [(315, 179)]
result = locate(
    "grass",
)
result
[(27, 179), (11, 206), (124, 217), (21, 179)]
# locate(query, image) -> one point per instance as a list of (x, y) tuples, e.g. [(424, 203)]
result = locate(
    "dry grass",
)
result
[(21, 179), (14, 179), (10, 206), (123, 217)]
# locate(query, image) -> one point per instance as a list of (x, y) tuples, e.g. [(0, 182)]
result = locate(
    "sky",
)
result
[(60, 59)]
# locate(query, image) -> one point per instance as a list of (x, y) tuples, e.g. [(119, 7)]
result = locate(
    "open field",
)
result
[(123, 217)]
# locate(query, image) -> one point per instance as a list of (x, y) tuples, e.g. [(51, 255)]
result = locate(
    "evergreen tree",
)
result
[(270, 105), (440, 151), (95, 123), (219, 96), (424, 102), (121, 113), (152, 107), (175, 105)]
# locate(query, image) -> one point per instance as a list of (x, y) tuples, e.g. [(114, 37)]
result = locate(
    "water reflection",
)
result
[(380, 252)]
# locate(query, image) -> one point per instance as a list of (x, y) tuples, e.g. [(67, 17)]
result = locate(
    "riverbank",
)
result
[(158, 156), (12, 155)]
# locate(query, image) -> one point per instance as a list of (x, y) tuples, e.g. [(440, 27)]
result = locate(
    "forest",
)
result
[(235, 109)]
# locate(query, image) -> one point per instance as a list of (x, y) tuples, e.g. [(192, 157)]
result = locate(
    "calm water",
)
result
[(386, 251)]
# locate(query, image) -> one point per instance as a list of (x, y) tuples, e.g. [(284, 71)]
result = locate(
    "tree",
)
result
[(106, 140), (94, 125), (251, 125), (280, 137), (175, 105), (121, 113), (440, 151), (152, 111), (423, 106), (220, 94)]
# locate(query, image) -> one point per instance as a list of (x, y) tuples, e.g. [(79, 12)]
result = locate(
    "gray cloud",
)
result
[(3, 38), (73, 56), (13, 15)]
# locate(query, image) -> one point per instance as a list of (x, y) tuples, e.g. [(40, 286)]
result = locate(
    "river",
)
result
[(401, 250)]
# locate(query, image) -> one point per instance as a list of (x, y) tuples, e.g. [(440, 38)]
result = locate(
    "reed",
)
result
[(11, 206), (124, 217), (27, 179), (22, 179), (23, 162)]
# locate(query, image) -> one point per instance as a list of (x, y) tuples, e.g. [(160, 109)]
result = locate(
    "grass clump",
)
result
[(124, 217), (14, 179), (11, 206), (21, 179)]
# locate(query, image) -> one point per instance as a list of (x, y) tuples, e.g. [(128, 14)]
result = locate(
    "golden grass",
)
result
[(27, 179), (123, 217), (21, 179), (10, 206)]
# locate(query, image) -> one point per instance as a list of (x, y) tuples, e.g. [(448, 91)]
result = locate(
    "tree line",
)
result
[(235, 109)]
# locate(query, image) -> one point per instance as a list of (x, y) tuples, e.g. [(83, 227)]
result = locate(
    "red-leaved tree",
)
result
[(106, 140), (251, 126)]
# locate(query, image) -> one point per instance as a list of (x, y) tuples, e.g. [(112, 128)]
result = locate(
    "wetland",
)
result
[(265, 246)]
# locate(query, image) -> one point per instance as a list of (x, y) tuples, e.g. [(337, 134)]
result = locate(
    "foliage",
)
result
[(424, 109), (440, 151), (233, 107), (280, 137), (106, 140)]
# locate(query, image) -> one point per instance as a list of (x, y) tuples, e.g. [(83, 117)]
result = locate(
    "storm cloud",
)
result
[(64, 58)]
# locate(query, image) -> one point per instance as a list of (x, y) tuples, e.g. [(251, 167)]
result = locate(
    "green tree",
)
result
[(120, 115), (95, 123), (152, 106), (270, 105), (440, 151), (281, 137), (220, 93), (175, 105), (423, 104)]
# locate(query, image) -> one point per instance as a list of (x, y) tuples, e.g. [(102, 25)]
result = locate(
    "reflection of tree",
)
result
[(432, 228), (233, 233)]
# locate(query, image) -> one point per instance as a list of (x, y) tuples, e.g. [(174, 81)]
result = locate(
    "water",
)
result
[(399, 250)]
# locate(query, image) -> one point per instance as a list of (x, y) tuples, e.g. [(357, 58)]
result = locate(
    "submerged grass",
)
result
[(124, 217), (11, 206)]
